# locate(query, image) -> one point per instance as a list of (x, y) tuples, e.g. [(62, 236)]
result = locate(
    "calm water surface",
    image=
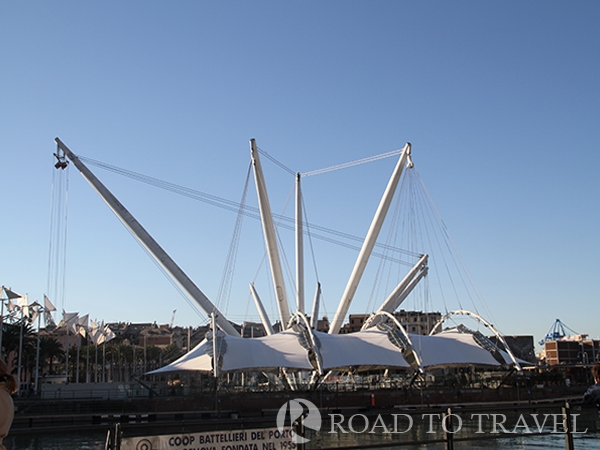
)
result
[(585, 441), (91, 441)]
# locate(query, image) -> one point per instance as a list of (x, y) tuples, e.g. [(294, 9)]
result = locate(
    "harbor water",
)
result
[(514, 434)]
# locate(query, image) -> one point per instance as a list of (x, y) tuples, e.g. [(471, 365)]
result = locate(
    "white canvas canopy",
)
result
[(371, 348), (236, 353), (278, 350), (364, 348), (452, 348)]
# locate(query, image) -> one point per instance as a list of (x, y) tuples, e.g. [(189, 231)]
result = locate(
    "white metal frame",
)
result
[(370, 322), (464, 312), (266, 218)]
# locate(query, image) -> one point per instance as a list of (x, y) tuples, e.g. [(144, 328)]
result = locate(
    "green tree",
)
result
[(51, 352), (11, 337)]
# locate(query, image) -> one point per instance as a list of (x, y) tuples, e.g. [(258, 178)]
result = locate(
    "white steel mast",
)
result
[(149, 243), (369, 243), (405, 286), (270, 237), (264, 318), (299, 249), (314, 316)]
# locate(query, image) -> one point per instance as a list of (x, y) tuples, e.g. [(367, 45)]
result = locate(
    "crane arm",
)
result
[(148, 242)]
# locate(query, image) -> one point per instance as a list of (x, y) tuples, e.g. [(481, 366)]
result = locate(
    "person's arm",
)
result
[(592, 395)]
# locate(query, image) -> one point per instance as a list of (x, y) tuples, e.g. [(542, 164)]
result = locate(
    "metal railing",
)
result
[(563, 423)]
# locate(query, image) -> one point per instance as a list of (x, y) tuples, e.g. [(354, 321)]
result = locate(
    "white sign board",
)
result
[(258, 439)]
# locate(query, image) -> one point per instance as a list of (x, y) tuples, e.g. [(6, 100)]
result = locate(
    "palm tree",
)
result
[(171, 353), (51, 351), (153, 357), (11, 337)]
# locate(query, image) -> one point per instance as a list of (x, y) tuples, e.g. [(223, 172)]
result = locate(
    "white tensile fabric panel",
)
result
[(198, 359), (450, 348), (364, 348), (278, 350)]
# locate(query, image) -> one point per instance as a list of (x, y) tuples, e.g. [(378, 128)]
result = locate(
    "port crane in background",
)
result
[(557, 332)]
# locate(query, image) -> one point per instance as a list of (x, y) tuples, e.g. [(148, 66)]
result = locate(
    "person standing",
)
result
[(8, 386), (592, 395)]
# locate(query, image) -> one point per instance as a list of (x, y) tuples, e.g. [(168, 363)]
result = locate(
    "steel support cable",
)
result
[(352, 163), (402, 203), (280, 246), (392, 233), (419, 231), (224, 291), (193, 305), (419, 213), (219, 201), (280, 243), (64, 249), (57, 257), (416, 224), (275, 161), (445, 260), (56, 282), (433, 237), (284, 222), (459, 262), (50, 286), (307, 227)]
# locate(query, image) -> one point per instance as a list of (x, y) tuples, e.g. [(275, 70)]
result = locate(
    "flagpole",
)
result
[(78, 342), (103, 361), (1, 323), (37, 352), (20, 352), (87, 358), (67, 353), (96, 365)]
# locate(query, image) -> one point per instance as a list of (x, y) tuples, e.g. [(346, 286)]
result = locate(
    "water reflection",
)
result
[(57, 441), (512, 431), (419, 431)]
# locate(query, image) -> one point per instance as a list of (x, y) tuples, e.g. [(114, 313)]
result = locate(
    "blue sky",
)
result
[(500, 101)]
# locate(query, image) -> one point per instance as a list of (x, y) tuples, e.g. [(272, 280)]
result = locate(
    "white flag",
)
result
[(48, 308), (48, 304), (48, 319), (70, 321), (94, 332), (23, 303), (10, 294), (108, 333), (34, 314), (82, 324)]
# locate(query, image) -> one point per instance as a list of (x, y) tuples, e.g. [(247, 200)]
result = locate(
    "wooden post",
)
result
[(567, 424), (448, 434)]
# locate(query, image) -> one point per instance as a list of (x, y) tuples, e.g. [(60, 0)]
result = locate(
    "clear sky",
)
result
[(500, 100)]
